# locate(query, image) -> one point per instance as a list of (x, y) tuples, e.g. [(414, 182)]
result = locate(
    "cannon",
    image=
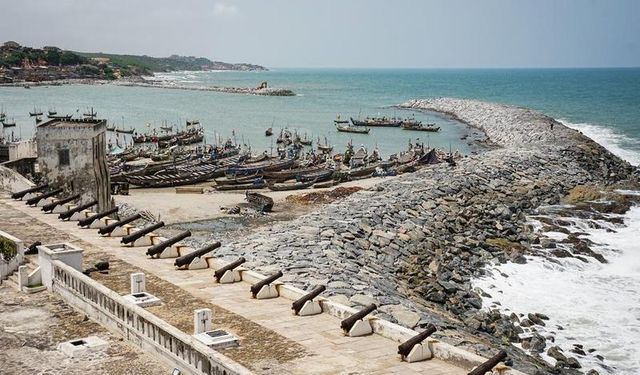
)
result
[(67, 215), (226, 275), (33, 248), (356, 325), (109, 228), (35, 200), (101, 266), (50, 206), (88, 221), (35, 189), (159, 248), (263, 289), (412, 350), (305, 305), (489, 364), (139, 234), (194, 260)]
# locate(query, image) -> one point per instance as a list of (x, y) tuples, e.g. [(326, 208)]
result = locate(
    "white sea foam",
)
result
[(597, 305), (620, 145)]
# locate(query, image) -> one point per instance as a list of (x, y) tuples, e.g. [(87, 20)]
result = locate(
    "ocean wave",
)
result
[(620, 145)]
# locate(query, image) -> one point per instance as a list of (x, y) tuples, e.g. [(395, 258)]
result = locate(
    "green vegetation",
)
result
[(8, 249)]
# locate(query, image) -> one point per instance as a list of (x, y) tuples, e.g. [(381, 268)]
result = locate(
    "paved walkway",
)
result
[(320, 335)]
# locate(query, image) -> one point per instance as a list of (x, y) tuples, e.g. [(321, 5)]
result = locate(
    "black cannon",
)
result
[(22, 193), (88, 221), (102, 267), (348, 323), (405, 348), (297, 305), (109, 228), (35, 200), (157, 249), (66, 215), (256, 287), (139, 234), (489, 364), (229, 267), (33, 248), (188, 258), (50, 206)]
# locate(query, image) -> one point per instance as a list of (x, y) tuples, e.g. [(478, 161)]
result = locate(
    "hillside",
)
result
[(26, 64)]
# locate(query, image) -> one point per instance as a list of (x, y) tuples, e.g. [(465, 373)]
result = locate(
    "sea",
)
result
[(596, 305)]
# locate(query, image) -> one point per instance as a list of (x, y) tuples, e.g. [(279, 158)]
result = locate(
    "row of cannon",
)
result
[(356, 324)]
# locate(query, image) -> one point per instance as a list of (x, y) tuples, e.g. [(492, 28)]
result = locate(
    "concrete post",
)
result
[(202, 320), (138, 283)]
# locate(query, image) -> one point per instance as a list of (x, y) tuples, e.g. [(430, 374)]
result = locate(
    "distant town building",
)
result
[(10, 45), (51, 48), (72, 155)]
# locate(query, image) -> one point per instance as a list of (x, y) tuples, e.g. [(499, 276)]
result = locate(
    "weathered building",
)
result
[(72, 155)]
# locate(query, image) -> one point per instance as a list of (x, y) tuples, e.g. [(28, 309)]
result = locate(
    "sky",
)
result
[(341, 33)]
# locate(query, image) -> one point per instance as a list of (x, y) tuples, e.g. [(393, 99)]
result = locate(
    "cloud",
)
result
[(224, 9)]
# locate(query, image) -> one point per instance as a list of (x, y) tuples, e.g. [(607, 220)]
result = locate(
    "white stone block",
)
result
[(232, 276), (142, 241), (310, 308), (267, 291), (171, 252), (59, 209), (79, 347), (420, 352), (198, 263), (361, 328)]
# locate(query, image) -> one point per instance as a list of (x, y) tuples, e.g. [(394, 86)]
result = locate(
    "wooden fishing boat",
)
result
[(326, 184), (168, 180), (287, 174), (125, 131), (56, 117), (270, 166), (268, 132), (351, 129), (35, 112), (324, 147), (377, 121), (293, 186), (251, 186), (193, 122), (259, 201), (112, 128), (8, 124), (418, 126), (318, 176), (52, 112), (237, 180), (90, 114)]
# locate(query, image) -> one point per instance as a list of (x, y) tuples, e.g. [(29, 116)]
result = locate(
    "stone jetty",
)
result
[(413, 244)]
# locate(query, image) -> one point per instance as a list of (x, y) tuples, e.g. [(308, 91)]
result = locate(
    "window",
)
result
[(63, 157)]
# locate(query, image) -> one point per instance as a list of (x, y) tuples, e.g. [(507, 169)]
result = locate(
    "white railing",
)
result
[(7, 267), (149, 332)]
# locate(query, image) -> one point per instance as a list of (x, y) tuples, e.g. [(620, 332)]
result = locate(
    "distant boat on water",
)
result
[(125, 131), (90, 114), (35, 112), (377, 121), (343, 126), (268, 132)]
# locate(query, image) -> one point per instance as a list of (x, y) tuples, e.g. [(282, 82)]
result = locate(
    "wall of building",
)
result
[(87, 171)]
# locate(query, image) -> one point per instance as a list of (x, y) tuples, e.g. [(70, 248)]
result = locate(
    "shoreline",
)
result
[(139, 83)]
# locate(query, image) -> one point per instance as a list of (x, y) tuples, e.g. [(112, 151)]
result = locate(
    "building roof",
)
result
[(81, 123)]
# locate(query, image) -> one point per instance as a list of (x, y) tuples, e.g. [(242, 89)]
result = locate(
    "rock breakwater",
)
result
[(413, 244)]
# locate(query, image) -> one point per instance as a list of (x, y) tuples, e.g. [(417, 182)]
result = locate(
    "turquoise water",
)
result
[(604, 103)]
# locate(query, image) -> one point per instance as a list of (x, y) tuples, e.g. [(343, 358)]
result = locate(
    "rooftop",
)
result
[(81, 123)]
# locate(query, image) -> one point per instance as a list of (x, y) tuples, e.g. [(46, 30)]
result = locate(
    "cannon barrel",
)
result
[(138, 234), (229, 267), (489, 364), (50, 206), (69, 213), (33, 248), (22, 193), (405, 348), (35, 200), (158, 248), (188, 258), (257, 286), (347, 323), (109, 228), (297, 305), (100, 215)]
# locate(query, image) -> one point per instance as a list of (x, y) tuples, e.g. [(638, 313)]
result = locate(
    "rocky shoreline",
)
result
[(140, 83), (414, 244)]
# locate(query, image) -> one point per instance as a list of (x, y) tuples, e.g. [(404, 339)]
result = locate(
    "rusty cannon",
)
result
[(263, 289), (194, 260), (133, 237), (111, 227), (49, 207), (69, 213), (159, 248), (89, 221), (489, 364), (35, 200), (227, 274), (35, 189), (412, 350), (305, 305), (356, 324)]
